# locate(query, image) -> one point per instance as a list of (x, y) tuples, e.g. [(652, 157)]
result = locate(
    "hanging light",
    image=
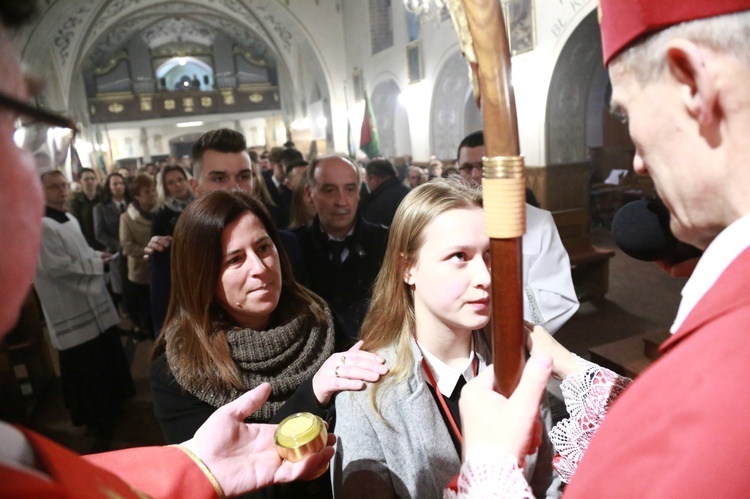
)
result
[(424, 8)]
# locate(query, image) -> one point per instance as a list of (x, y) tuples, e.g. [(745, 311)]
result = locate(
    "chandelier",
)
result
[(424, 8)]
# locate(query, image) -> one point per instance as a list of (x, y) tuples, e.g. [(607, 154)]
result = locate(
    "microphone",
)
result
[(641, 230)]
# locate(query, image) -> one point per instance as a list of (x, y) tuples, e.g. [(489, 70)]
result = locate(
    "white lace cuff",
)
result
[(588, 396), (488, 471)]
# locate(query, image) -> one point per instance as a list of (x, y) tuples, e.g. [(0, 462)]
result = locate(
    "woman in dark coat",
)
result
[(238, 318)]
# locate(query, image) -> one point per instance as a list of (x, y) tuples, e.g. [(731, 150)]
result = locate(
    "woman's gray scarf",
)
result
[(283, 356), (178, 205)]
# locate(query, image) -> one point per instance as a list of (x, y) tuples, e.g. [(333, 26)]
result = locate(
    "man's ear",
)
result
[(687, 65), (194, 185)]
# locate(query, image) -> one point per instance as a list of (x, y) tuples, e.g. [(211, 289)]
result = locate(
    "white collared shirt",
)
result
[(345, 251), (718, 256), (446, 376)]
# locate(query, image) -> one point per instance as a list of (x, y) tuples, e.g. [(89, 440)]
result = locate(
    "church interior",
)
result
[(143, 79)]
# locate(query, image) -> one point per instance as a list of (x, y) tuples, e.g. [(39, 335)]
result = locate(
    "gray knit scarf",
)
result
[(283, 356), (178, 205)]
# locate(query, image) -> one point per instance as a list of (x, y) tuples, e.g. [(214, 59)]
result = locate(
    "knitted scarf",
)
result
[(283, 356), (178, 205)]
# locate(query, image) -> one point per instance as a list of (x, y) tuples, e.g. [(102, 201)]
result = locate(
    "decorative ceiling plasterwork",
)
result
[(98, 29), (115, 39), (71, 35), (64, 40), (181, 29), (119, 9), (244, 37)]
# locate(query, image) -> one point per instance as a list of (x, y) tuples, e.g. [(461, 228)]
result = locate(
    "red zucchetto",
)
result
[(623, 21)]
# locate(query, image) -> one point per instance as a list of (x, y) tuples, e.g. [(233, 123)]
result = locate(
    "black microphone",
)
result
[(641, 230)]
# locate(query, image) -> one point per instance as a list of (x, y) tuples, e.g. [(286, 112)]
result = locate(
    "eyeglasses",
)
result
[(470, 167), (37, 115), (39, 131)]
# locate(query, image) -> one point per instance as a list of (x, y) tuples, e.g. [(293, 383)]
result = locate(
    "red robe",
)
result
[(682, 430), (137, 473)]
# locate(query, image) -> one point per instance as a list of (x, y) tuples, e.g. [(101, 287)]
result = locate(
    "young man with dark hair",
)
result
[(220, 162), (549, 296), (469, 156)]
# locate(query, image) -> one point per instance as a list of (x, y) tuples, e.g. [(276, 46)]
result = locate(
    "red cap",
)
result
[(623, 21)]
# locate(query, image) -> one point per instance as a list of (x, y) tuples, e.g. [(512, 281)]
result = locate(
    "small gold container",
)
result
[(300, 435)]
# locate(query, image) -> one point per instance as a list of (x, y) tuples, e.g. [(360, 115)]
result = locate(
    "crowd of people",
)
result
[(378, 326), (211, 265)]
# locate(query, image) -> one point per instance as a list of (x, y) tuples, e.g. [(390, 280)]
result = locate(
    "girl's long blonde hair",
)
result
[(390, 319)]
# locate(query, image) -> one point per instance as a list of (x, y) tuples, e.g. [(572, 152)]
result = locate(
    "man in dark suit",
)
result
[(386, 192), (342, 251), (275, 180)]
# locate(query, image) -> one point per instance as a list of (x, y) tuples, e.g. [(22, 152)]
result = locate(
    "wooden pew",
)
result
[(589, 264)]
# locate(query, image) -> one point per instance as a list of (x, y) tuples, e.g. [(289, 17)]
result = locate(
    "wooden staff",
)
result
[(485, 45)]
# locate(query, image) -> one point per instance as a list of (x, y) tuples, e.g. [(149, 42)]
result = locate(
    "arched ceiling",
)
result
[(160, 30), (77, 34), (172, 24)]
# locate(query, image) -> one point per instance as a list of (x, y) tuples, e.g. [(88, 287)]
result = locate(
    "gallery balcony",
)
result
[(127, 106)]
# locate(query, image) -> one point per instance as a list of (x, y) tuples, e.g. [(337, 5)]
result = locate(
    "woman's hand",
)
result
[(243, 457), (156, 244), (539, 341), (347, 371)]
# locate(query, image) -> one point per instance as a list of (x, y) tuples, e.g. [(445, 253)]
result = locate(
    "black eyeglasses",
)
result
[(37, 115), (469, 167), (40, 131)]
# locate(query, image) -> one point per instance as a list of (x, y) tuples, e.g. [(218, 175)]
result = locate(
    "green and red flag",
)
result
[(368, 138)]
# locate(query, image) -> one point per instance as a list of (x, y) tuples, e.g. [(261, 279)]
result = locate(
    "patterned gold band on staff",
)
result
[(504, 187), (497, 167)]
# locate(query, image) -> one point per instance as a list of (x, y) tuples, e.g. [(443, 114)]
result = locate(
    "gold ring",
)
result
[(343, 360), (336, 372)]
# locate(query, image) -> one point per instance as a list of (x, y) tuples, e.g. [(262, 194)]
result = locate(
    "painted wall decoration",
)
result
[(519, 20)]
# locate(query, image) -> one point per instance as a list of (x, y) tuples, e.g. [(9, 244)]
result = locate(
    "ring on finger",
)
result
[(336, 372), (343, 360)]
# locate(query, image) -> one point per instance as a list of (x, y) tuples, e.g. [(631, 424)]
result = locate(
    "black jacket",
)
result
[(180, 414), (380, 205), (345, 286), (282, 197)]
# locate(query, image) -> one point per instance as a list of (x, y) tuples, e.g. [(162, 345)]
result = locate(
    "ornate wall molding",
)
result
[(568, 92), (384, 100), (448, 102)]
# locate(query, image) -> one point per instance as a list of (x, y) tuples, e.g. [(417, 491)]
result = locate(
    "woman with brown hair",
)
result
[(430, 304), (135, 232), (174, 195), (237, 318)]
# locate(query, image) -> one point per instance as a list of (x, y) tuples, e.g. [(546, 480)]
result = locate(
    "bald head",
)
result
[(333, 188)]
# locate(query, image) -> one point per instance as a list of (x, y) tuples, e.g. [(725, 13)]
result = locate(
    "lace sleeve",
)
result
[(588, 396), (489, 472)]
